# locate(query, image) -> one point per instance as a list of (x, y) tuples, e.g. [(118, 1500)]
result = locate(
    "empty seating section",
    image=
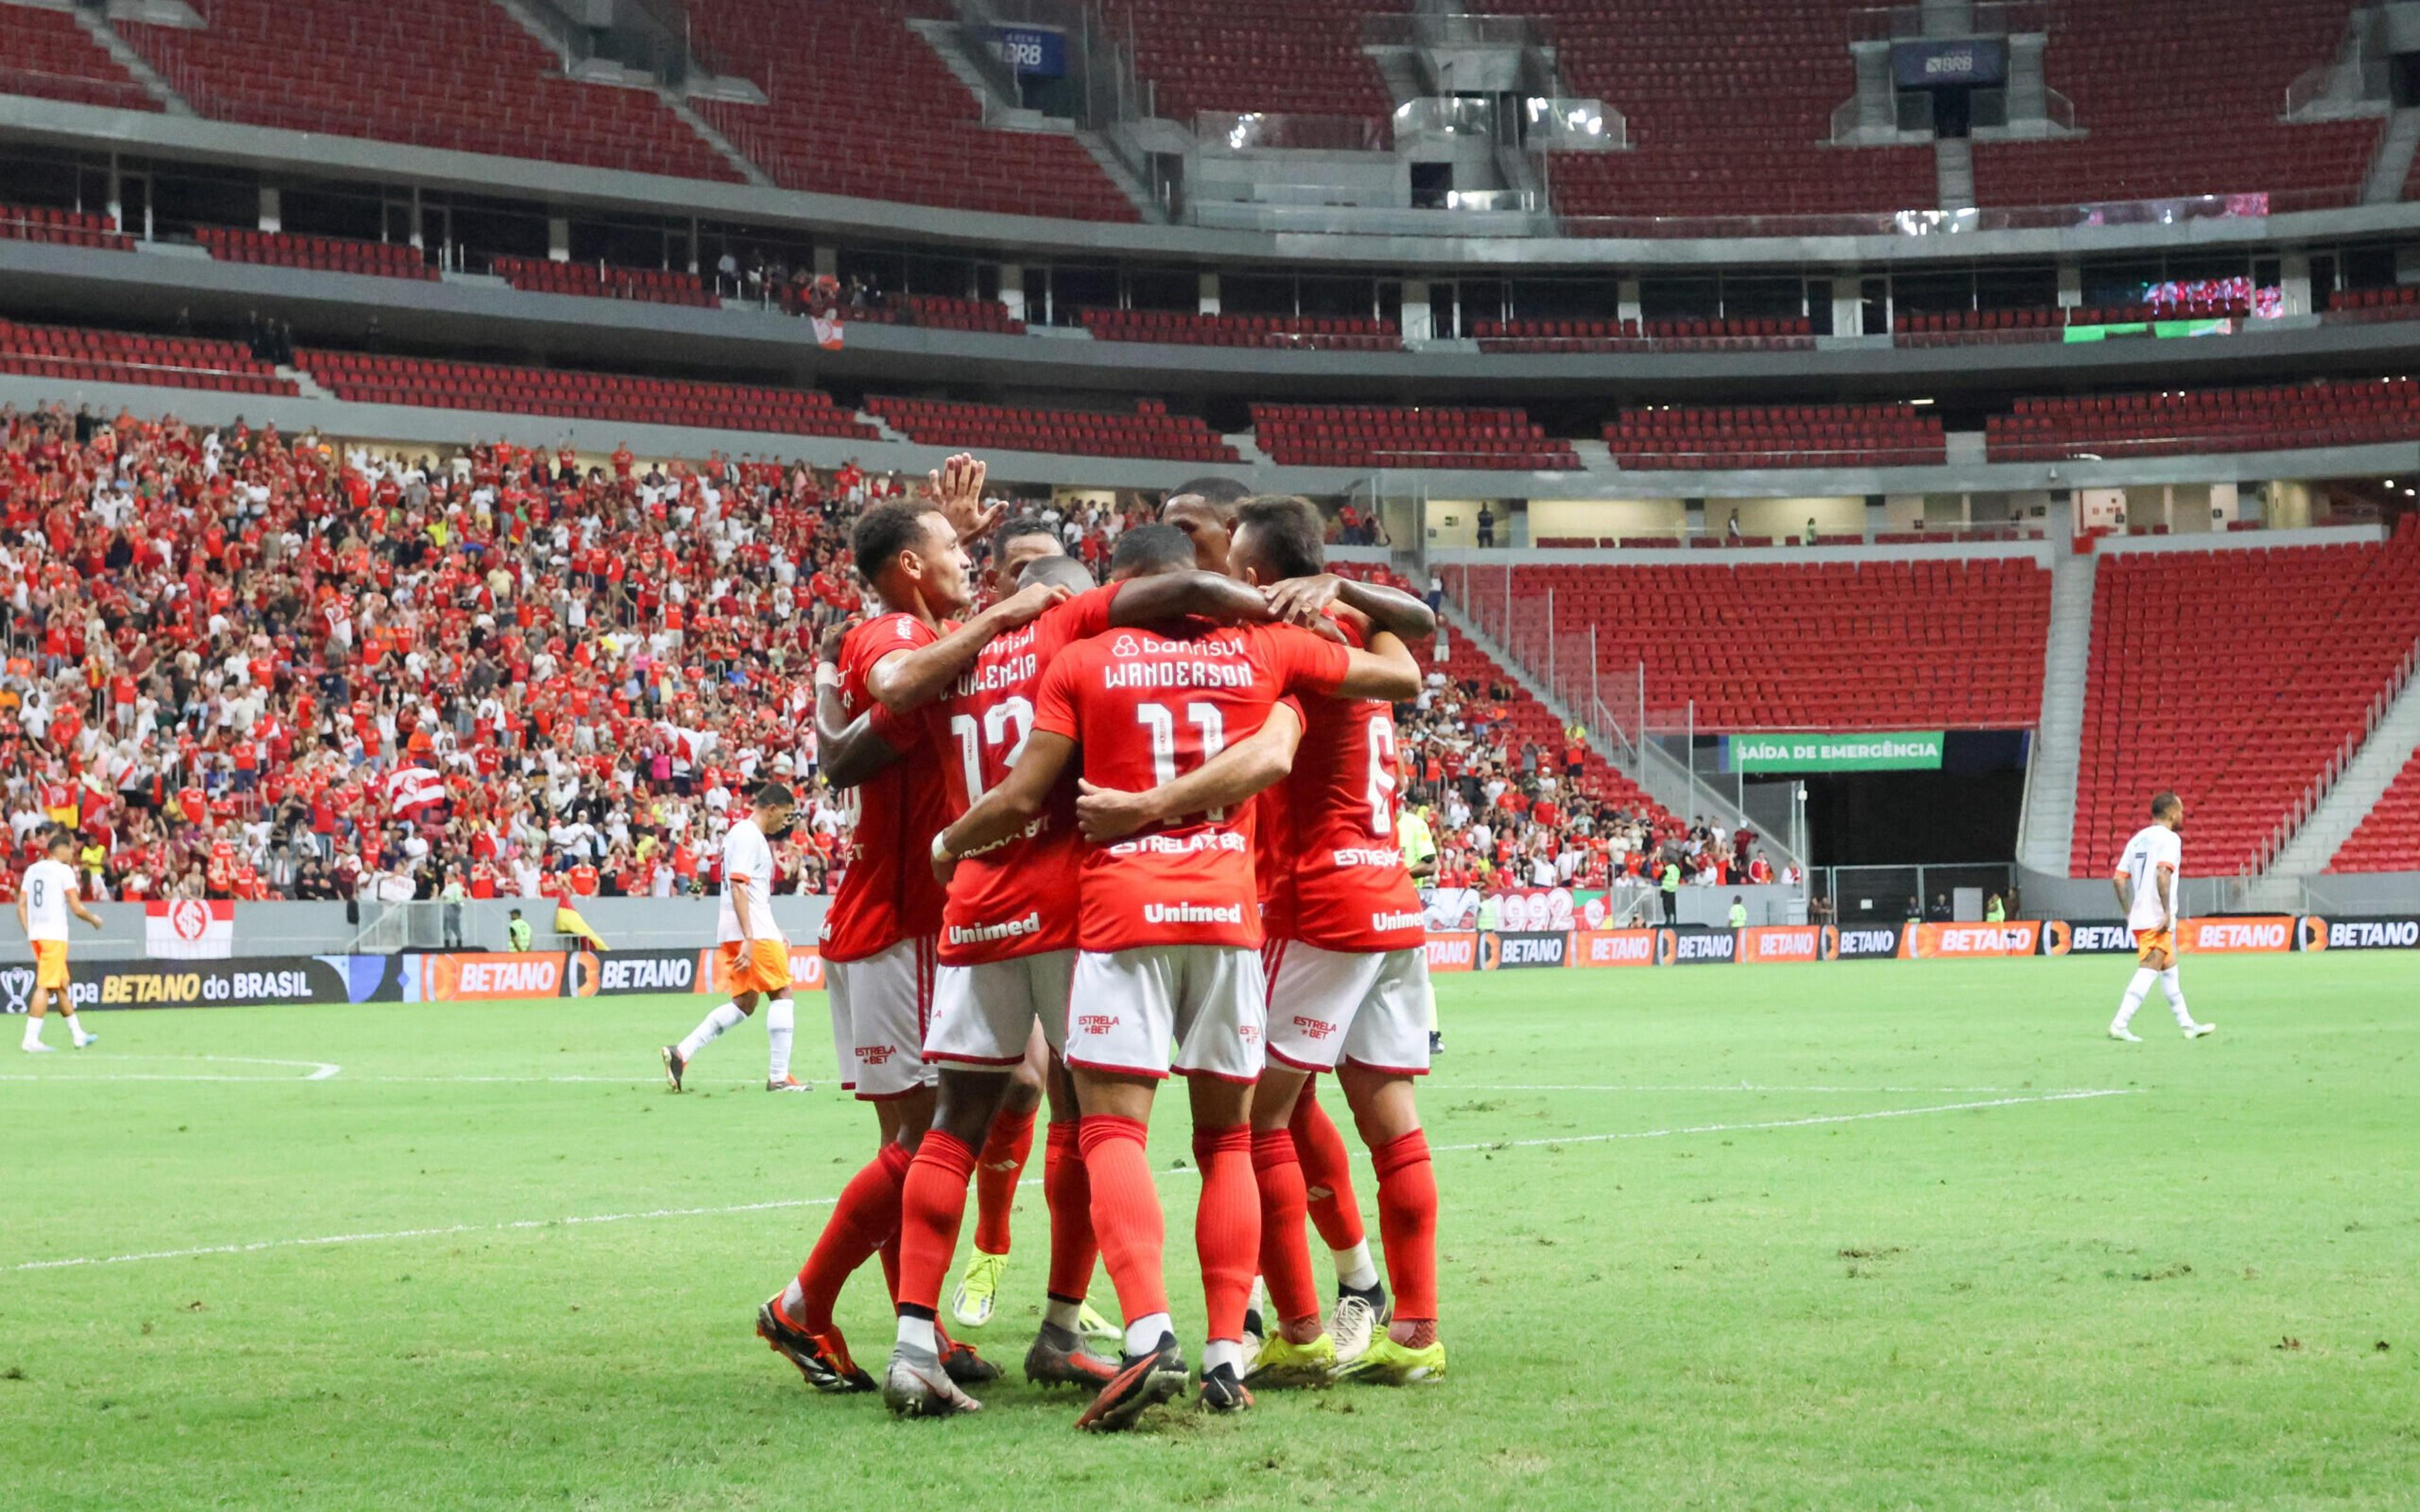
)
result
[(538, 391), (2389, 839), (600, 281), (858, 104), (1796, 334), (2232, 677), (332, 255), (1964, 328), (1785, 436), (1729, 109), (2173, 103), (70, 228), (1872, 645), (459, 74), (1558, 335), (1151, 431), (1313, 333), (1300, 57), (2219, 419), (945, 313), (2400, 302), (1348, 436), (82, 355), (44, 52)]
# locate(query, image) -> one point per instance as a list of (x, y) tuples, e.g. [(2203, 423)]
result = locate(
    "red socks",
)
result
[(1069, 1194), (1285, 1258), (1227, 1225), (1125, 1211), (864, 1219), (996, 1177), (1407, 1213), (1327, 1174), (931, 1205)]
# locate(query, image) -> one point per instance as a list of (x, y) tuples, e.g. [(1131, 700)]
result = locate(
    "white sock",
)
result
[(75, 1030), (711, 1028), (917, 1334), (2168, 983), (1353, 1267), (1143, 1333), (780, 1018), (1222, 1351), (1066, 1315), (2144, 977), (33, 1031)]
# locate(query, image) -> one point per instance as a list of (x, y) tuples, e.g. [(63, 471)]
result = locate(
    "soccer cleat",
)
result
[(1256, 1326), (2120, 1031), (1358, 1318), (1049, 1363), (965, 1365), (972, 1303), (1090, 1323), (674, 1063), (822, 1358), (923, 1389), (1437, 1043), (1281, 1364), (785, 1083), (36, 1047), (1222, 1392), (1386, 1362), (1142, 1382), (83, 1040), (2195, 1031)]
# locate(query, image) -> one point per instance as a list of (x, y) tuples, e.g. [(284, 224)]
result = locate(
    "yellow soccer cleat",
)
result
[(1386, 1362), (970, 1304), (1091, 1324), (1281, 1364)]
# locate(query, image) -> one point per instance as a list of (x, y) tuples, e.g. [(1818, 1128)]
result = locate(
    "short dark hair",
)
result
[(1220, 494), (1020, 526), (59, 837), (1152, 549), (1286, 533), (776, 796), (2164, 804), (885, 531), (1059, 571)]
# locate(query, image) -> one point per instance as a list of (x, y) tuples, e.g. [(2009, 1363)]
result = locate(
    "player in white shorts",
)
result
[(2149, 873)]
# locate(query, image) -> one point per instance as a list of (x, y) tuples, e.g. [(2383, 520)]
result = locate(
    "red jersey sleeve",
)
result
[(1304, 662), (1054, 705)]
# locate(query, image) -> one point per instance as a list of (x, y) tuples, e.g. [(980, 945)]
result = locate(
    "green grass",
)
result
[(2203, 1292)]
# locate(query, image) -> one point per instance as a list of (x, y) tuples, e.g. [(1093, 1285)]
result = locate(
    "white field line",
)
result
[(319, 1070), (522, 1224), (1716, 1086)]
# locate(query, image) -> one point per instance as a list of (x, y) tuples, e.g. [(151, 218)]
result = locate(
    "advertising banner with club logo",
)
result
[(189, 929)]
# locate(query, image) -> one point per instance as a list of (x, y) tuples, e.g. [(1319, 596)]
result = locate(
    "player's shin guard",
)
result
[(2136, 990), (1125, 1211), (1069, 1193), (1327, 1173), (1227, 1227), (1285, 1258), (716, 1023), (932, 1204), (997, 1173), (2173, 986), (781, 1025), (864, 1219), (1407, 1215)]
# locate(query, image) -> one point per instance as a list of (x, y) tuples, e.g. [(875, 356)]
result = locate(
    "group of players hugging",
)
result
[(1101, 834)]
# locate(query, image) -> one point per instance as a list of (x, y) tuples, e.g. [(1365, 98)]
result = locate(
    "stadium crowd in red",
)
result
[(247, 665)]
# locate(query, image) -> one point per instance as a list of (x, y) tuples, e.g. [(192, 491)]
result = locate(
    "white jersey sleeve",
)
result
[(48, 886), (2154, 847), (747, 864)]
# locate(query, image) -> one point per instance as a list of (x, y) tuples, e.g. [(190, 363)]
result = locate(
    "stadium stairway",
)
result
[(2390, 166), (2358, 788), (2046, 833), (95, 23), (1659, 776)]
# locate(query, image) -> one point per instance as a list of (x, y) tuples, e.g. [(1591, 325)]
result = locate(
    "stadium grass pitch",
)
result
[(1862, 1235)]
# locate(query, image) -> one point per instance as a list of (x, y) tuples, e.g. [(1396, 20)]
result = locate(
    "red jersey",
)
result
[(1007, 901), (888, 894), (1336, 878), (1146, 707)]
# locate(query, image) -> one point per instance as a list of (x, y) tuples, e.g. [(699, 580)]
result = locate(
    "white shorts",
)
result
[(1368, 1007), (983, 1015), (1127, 1007), (880, 1009)]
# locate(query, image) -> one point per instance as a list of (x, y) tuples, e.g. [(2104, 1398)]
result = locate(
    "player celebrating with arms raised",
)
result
[(45, 899), (2149, 872)]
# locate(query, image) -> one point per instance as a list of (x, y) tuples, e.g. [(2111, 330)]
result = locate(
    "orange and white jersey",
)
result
[(747, 867), (2153, 846), (48, 887)]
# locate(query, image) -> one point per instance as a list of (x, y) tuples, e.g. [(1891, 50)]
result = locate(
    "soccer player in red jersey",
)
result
[(1169, 936), (1008, 952), (878, 942)]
